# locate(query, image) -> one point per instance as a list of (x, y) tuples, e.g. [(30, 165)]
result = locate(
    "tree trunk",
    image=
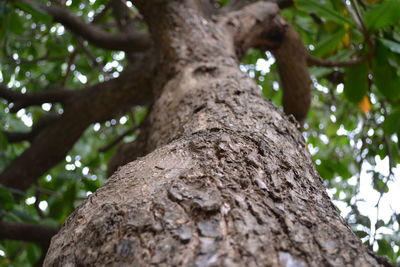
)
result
[(228, 181)]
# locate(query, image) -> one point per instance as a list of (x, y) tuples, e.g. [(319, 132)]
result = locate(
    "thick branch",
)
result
[(14, 137), (205, 7), (282, 3), (90, 105), (120, 12), (252, 26), (259, 26), (27, 232), (29, 99), (293, 72), (132, 42), (371, 43), (239, 4), (327, 63), (42, 123)]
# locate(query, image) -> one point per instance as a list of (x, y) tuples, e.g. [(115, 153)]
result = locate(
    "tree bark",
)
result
[(228, 180)]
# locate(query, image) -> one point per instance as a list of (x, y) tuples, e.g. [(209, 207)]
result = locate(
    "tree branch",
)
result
[(260, 26), (29, 99), (291, 58), (118, 139), (101, 14), (239, 4), (313, 61), (89, 105), (206, 8), (358, 19), (132, 42), (27, 232), (252, 26), (70, 62), (89, 54), (120, 13), (43, 122), (46, 57)]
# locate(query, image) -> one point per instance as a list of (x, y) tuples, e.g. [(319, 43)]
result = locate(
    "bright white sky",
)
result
[(389, 203)]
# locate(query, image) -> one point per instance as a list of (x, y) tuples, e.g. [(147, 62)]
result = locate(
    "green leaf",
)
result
[(343, 55), (224, 2), (398, 138), (356, 82), (56, 209), (36, 13), (385, 76), (382, 15), (396, 36), (319, 72), (325, 171), (364, 220), (323, 11), (393, 46), (40, 50), (16, 25), (3, 10), (379, 224), (140, 114), (6, 198), (97, 4), (361, 234), (392, 122), (33, 252), (384, 247), (328, 44), (3, 141), (91, 185), (23, 215), (251, 56), (3, 31), (329, 168), (380, 186)]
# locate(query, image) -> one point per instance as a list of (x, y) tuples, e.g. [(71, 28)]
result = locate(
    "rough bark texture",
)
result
[(229, 181)]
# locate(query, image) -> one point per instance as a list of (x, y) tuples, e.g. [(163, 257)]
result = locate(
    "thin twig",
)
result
[(85, 50), (36, 204), (313, 61), (357, 16), (368, 40), (391, 174), (70, 63), (118, 139), (47, 192)]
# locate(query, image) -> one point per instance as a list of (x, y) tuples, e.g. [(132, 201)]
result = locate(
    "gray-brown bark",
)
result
[(228, 182), (27, 232)]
